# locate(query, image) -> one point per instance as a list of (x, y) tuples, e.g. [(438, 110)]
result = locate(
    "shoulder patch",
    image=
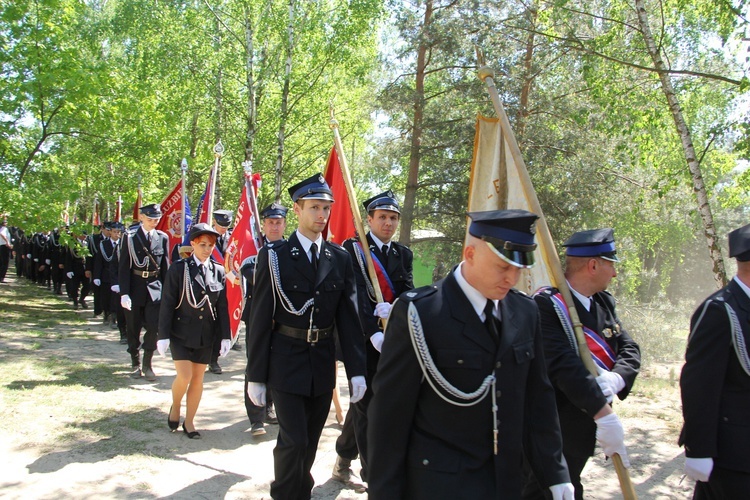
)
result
[(418, 293)]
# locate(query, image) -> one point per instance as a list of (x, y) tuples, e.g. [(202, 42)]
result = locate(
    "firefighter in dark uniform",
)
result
[(118, 234), (304, 287), (93, 242), (194, 311), (56, 261), (103, 261), (222, 221), (584, 400), (142, 270), (77, 271), (461, 392), (715, 385), (394, 263), (274, 225)]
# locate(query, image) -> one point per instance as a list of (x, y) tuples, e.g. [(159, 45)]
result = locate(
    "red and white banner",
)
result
[(341, 221), (203, 212), (171, 219), (243, 244)]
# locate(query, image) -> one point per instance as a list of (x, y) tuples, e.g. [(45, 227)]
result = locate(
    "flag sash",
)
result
[(386, 286)]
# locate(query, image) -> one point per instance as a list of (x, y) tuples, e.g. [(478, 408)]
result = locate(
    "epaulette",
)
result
[(159, 231), (520, 294), (276, 244), (418, 293)]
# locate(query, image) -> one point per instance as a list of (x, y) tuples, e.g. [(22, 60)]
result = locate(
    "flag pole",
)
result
[(218, 152), (358, 225), (183, 167), (486, 74)]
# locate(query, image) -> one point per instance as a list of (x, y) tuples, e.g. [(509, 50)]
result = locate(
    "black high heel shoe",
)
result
[(191, 435), (173, 425)]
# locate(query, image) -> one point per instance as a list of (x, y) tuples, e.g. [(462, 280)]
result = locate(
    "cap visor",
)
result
[(516, 258)]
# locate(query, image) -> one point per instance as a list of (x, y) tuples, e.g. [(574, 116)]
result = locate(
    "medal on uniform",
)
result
[(607, 332)]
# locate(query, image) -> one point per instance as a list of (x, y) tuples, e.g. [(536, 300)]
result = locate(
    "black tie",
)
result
[(203, 272), (148, 239), (490, 321), (385, 256), (314, 256)]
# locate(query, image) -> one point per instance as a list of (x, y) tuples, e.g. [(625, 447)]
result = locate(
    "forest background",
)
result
[(629, 114)]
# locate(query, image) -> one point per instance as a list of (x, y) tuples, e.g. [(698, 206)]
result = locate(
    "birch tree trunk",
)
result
[(218, 111), (704, 208), (410, 196), (528, 75), (250, 82)]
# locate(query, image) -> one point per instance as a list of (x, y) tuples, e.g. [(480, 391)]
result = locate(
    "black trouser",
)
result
[(57, 277), (96, 291), (4, 261), (723, 484), (137, 317), (107, 298), (78, 280), (532, 490), (301, 421), (353, 438)]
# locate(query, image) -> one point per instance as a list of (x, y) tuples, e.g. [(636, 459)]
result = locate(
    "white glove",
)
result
[(98, 282), (115, 288), (36, 260), (609, 382), (125, 302), (382, 310), (256, 391), (28, 255), (611, 437), (162, 346), (69, 275), (358, 386), (562, 491), (377, 341), (226, 344), (699, 469), (47, 261)]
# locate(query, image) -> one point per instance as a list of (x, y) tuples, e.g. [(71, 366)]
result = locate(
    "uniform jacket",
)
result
[(135, 286), (74, 263), (715, 387), (248, 272), (196, 328), (102, 266), (578, 395), (294, 365), (419, 445), (399, 270)]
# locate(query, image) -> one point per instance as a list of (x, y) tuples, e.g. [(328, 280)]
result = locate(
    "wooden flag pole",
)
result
[(358, 225), (486, 74)]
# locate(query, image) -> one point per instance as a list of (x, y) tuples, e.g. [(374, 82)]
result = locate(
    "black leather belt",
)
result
[(312, 335), (145, 274)]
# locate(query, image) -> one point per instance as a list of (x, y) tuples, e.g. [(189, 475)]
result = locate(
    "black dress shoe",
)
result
[(191, 435), (214, 367), (173, 424)]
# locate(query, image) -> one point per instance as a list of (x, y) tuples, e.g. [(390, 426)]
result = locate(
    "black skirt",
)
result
[(200, 355)]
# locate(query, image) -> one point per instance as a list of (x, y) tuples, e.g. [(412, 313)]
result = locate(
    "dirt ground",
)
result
[(117, 444)]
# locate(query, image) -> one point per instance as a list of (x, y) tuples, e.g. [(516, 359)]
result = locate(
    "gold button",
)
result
[(200, 317)]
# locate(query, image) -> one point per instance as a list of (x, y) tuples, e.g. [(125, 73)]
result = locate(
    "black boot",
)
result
[(135, 363), (147, 371)]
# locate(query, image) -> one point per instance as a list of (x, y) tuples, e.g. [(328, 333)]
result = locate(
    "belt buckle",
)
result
[(310, 333), (145, 274)]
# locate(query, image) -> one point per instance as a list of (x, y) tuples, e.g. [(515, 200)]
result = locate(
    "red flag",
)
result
[(243, 244), (95, 220), (341, 222), (137, 206), (202, 213), (118, 210), (171, 219)]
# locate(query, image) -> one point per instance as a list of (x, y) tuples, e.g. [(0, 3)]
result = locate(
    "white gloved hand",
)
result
[(36, 260), (226, 345), (358, 388), (162, 346), (125, 302), (609, 382), (377, 341), (28, 255), (562, 491), (382, 310), (69, 275), (115, 288), (699, 469), (256, 391), (47, 261), (611, 437), (97, 282)]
